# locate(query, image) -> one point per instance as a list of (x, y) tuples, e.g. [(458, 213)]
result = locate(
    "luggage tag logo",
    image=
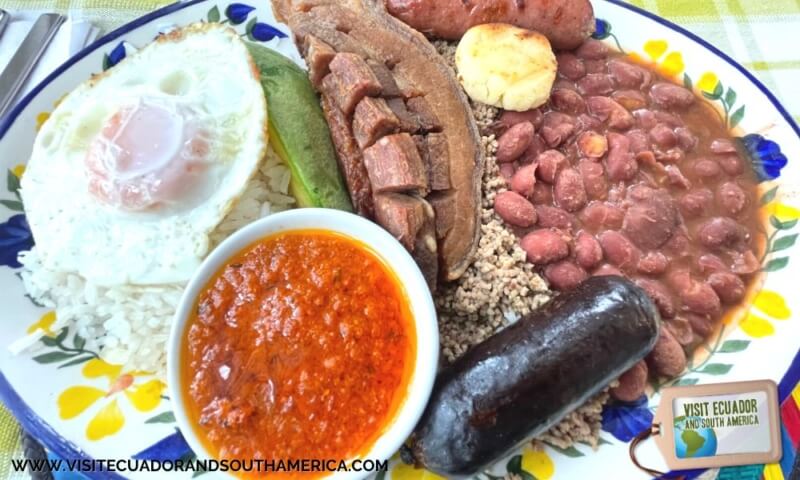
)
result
[(718, 425)]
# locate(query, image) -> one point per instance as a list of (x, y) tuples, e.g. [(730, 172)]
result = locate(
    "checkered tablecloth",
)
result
[(762, 35)]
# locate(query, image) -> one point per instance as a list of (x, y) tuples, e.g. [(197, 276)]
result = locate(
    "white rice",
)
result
[(128, 324)]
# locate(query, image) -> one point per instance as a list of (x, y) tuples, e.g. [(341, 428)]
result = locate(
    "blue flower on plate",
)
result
[(171, 447), (602, 29), (264, 33), (237, 12), (626, 420), (766, 156), (115, 56), (15, 237)]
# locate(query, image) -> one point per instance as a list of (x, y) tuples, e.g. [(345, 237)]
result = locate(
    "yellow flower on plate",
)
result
[(45, 322), (773, 304), (756, 326), (670, 64), (401, 471), (655, 49), (708, 82), (537, 463), (18, 170), (109, 419), (783, 212)]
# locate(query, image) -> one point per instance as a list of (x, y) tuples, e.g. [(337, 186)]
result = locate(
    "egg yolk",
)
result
[(146, 156)]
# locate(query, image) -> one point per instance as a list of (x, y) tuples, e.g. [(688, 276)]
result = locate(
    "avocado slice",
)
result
[(298, 132)]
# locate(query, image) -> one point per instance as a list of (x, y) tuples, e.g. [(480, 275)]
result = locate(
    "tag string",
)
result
[(641, 437)]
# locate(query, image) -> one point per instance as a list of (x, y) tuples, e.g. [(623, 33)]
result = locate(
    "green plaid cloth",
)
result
[(760, 34)]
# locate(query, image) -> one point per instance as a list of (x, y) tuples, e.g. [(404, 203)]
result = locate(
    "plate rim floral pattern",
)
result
[(43, 431)]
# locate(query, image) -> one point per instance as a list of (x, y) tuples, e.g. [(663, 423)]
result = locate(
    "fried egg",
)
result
[(135, 168)]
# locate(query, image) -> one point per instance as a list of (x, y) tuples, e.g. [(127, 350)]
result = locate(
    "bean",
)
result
[(729, 287), (512, 144), (587, 122), (514, 209), (694, 204), (611, 112), (663, 136), (524, 180), (557, 128), (592, 49), (600, 215), (544, 246), (745, 263), (700, 298), (588, 252), (673, 155), (668, 95), (686, 139), (564, 275), (653, 263), (679, 280), (568, 101), (723, 145), (721, 232), (550, 163), (536, 147), (651, 219), (596, 66), (707, 169), (554, 217), (570, 66), (731, 198), (619, 251), (677, 246), (542, 195), (620, 162), (702, 325), (631, 384), (731, 164), (676, 177), (639, 141), (630, 99), (646, 119), (592, 144), (667, 358), (660, 296), (681, 329), (671, 120), (507, 170), (510, 118), (711, 263), (607, 270), (596, 84), (569, 192), (594, 179), (628, 75)]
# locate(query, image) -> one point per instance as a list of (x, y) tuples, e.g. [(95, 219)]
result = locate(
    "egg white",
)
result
[(204, 69)]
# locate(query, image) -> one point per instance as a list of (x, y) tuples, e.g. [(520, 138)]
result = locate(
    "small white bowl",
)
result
[(386, 247)]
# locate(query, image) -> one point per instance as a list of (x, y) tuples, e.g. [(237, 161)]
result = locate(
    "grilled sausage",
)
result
[(566, 23), (527, 377)]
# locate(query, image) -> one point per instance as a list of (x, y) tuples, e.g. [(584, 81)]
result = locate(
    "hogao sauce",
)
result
[(300, 347)]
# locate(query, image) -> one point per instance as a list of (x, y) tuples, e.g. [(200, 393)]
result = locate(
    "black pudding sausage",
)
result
[(527, 377)]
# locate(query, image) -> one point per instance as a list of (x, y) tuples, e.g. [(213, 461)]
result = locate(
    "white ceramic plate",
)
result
[(60, 394)]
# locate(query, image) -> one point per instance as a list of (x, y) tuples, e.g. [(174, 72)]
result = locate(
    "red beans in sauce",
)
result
[(647, 179)]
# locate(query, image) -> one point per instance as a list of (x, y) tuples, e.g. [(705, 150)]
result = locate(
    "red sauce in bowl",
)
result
[(301, 346)]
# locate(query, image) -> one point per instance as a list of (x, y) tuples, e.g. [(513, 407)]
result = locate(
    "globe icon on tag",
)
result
[(693, 442)]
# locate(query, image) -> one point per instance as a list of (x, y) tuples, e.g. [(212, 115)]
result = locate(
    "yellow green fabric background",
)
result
[(762, 35)]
